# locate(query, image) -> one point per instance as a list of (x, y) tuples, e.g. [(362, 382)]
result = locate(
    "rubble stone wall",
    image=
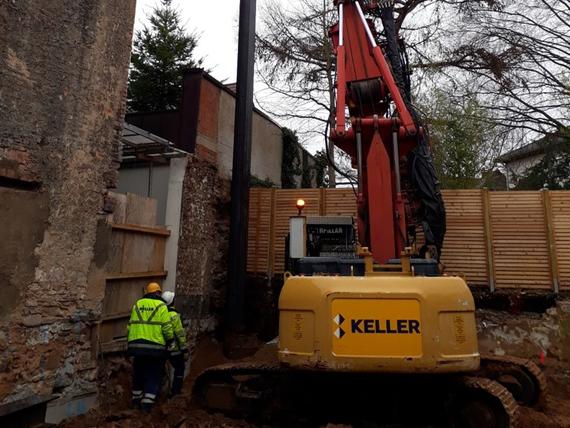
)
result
[(63, 70), (203, 247)]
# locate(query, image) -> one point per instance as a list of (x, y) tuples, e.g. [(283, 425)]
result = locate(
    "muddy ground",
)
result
[(181, 413)]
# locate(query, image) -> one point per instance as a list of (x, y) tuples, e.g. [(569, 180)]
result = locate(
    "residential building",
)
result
[(519, 161), (204, 125)]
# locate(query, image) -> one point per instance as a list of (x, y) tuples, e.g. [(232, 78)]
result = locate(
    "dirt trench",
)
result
[(180, 412)]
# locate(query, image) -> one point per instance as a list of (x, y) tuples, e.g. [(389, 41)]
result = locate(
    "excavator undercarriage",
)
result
[(388, 350), (280, 396)]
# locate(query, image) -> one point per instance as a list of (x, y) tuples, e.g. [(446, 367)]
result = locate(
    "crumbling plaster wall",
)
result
[(63, 69), (542, 337), (203, 247), (527, 334)]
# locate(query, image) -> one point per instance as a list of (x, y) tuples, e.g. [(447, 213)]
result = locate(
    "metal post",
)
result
[(341, 24), (366, 26), (489, 239), (551, 239), (396, 155), (241, 168), (359, 159)]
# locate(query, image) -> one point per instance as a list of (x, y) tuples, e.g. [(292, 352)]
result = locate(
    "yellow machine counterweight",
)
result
[(378, 324)]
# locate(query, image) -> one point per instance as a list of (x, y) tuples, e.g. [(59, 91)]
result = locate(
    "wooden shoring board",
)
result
[(141, 210), (136, 256), (120, 294)]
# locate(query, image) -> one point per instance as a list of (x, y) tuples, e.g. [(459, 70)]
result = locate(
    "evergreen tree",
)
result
[(162, 52)]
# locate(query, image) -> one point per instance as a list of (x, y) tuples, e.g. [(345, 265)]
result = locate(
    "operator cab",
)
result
[(327, 245)]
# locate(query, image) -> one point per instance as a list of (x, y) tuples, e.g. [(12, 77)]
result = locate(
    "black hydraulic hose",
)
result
[(423, 174), (392, 50)]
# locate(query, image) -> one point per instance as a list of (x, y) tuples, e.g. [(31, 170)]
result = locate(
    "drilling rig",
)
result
[(395, 345)]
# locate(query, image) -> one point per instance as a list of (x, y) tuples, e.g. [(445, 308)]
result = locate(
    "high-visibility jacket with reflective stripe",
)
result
[(178, 329), (150, 323)]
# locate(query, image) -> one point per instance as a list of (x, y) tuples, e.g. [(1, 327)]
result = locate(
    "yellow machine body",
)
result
[(385, 324)]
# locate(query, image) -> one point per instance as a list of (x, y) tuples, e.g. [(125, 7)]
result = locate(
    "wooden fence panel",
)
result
[(521, 255), (560, 206), (340, 202), (464, 248), (259, 230), (496, 239)]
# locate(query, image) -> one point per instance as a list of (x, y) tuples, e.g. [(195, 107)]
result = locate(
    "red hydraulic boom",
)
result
[(397, 187)]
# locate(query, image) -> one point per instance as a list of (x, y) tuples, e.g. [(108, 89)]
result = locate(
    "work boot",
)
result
[(136, 399), (176, 386)]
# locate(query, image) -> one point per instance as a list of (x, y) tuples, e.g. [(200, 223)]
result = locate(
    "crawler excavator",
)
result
[(396, 346)]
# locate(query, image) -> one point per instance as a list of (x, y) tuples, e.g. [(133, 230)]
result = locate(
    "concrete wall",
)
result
[(267, 150), (226, 135), (63, 69)]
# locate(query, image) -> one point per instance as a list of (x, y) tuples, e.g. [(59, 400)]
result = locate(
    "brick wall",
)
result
[(63, 68)]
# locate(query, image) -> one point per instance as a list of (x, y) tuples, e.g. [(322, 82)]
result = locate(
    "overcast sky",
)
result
[(216, 24), (217, 28)]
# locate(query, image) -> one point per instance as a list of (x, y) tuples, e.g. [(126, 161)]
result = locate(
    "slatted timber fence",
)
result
[(496, 239)]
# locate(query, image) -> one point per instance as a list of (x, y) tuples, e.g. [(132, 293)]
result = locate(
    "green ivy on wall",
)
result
[(321, 166), (292, 163), (307, 177), (255, 181)]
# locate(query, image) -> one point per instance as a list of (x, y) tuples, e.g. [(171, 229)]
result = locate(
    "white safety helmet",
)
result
[(168, 297)]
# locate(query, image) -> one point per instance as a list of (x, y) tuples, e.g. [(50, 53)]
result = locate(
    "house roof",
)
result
[(535, 148)]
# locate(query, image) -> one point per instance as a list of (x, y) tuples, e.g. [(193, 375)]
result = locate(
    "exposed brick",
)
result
[(206, 154), (208, 116), (16, 164)]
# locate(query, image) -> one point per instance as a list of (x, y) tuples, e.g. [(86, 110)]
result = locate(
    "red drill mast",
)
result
[(382, 139)]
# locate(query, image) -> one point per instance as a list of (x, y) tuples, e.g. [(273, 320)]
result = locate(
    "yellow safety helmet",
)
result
[(153, 287)]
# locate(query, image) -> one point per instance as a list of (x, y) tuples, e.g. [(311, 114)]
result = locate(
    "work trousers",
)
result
[(147, 379), (178, 364)]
